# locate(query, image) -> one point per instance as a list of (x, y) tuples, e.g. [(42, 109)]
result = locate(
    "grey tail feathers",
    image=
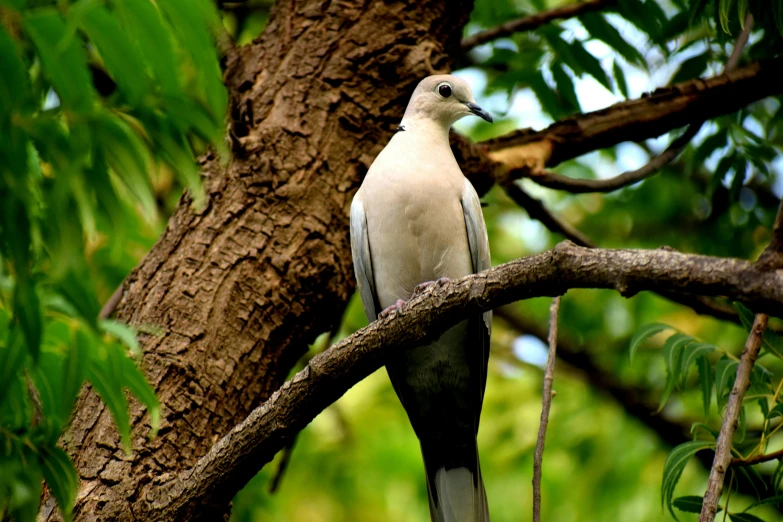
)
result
[(454, 485)]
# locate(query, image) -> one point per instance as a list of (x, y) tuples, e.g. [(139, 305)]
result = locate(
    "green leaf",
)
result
[(12, 356), (141, 20), (619, 78), (672, 354), (689, 504), (128, 156), (590, 64), (675, 465), (120, 56), (710, 145), (60, 475), (705, 383), (699, 425), (691, 68), (776, 411), (16, 84), (742, 427), (740, 166), (773, 501), (601, 29), (61, 56), (691, 354), (777, 476), (724, 10), (777, 15), (106, 377), (123, 332), (135, 381), (744, 517), (645, 333), (191, 22), (742, 10), (565, 87), (27, 309), (695, 9), (725, 370), (721, 170)]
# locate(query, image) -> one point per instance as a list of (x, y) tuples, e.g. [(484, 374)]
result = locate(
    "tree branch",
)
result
[(527, 23), (723, 451), (546, 403), (758, 459), (536, 210), (581, 186), (525, 153), (233, 460)]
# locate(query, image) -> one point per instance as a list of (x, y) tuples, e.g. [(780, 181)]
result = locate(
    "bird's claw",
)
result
[(389, 309), (420, 288)]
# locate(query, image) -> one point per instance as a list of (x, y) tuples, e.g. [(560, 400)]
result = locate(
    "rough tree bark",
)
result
[(241, 286)]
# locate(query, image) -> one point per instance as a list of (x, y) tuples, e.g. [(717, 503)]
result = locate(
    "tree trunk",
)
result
[(240, 287)]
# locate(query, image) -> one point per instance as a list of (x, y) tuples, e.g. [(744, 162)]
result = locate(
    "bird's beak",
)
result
[(478, 111)]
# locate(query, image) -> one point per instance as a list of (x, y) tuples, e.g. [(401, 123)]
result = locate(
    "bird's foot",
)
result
[(389, 309), (420, 288)]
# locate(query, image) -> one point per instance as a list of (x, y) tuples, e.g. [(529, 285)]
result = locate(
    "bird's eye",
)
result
[(444, 89)]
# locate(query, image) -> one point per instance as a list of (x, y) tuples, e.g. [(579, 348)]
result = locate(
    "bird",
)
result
[(416, 220)]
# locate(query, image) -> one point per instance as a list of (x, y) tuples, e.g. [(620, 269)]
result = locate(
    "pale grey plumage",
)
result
[(415, 219)]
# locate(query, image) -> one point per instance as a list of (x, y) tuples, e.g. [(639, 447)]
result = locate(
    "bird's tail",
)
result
[(454, 484)]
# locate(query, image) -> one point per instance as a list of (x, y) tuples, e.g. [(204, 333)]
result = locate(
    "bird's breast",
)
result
[(417, 233)]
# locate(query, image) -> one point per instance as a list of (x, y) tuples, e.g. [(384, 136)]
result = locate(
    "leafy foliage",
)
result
[(679, 352), (94, 98)]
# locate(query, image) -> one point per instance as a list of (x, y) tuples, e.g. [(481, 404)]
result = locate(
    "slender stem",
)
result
[(723, 452), (528, 23), (750, 461), (546, 404)]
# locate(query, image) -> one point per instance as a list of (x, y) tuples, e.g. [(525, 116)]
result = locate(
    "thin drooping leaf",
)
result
[(772, 342), (725, 370), (60, 475), (705, 383), (619, 78), (691, 354), (770, 501), (132, 378), (672, 354), (644, 333), (691, 504), (600, 28), (117, 51), (62, 57), (674, 466), (123, 332), (744, 517)]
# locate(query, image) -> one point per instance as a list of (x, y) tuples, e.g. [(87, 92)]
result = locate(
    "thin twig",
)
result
[(536, 210), (750, 461), (723, 451), (546, 404), (527, 23), (283, 465)]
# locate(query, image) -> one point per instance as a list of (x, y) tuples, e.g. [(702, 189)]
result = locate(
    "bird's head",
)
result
[(443, 98)]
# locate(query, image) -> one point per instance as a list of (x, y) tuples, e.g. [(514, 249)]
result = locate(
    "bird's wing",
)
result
[(477, 236), (479, 253), (362, 260)]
